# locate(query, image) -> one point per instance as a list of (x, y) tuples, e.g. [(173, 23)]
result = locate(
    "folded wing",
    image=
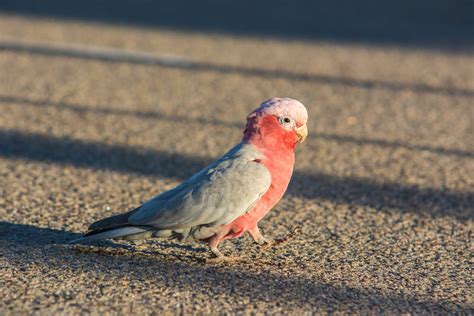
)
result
[(216, 195)]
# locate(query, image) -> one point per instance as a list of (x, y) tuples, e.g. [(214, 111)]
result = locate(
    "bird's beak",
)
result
[(302, 132)]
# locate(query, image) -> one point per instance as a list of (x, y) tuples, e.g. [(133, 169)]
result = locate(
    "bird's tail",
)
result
[(125, 232)]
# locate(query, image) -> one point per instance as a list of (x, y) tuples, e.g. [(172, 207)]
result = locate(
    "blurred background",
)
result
[(104, 104), (422, 23)]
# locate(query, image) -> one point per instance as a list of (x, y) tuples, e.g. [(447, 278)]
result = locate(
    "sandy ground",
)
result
[(383, 190)]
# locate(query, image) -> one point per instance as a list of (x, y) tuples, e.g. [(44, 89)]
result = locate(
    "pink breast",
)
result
[(281, 169)]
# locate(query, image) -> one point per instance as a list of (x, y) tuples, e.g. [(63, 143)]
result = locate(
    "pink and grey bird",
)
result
[(231, 195)]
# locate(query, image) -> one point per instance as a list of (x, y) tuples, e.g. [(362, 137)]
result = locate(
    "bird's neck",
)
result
[(266, 134), (277, 147), (278, 157)]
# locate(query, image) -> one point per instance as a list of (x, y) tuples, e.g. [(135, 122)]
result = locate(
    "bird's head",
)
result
[(277, 122)]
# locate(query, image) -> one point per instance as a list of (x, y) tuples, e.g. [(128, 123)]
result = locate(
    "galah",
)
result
[(231, 195)]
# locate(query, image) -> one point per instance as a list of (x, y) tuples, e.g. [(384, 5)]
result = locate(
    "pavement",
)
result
[(96, 118)]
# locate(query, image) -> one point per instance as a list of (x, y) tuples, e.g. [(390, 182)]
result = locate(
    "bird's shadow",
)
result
[(32, 236), (24, 244)]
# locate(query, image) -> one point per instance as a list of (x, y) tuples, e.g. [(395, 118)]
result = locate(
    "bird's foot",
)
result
[(219, 257), (258, 237), (266, 243), (280, 241)]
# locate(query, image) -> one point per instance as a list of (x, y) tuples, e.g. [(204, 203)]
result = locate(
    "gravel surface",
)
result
[(383, 191)]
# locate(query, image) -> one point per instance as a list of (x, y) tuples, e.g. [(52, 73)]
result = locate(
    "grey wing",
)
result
[(217, 195)]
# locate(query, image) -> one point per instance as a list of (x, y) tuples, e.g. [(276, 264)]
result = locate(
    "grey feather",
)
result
[(113, 233), (215, 196), (116, 220)]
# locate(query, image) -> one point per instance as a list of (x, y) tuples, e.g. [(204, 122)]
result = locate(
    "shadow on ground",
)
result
[(435, 23), (24, 245), (140, 59), (105, 110), (355, 191)]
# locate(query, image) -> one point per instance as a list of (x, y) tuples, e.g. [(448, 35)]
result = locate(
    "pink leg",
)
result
[(257, 235), (219, 256), (214, 243)]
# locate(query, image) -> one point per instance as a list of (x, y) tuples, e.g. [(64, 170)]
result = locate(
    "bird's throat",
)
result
[(266, 133)]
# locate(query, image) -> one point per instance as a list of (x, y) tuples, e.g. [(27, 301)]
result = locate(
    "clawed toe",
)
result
[(267, 243), (279, 241)]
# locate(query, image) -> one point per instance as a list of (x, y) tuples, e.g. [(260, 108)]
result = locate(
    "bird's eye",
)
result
[(287, 122)]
